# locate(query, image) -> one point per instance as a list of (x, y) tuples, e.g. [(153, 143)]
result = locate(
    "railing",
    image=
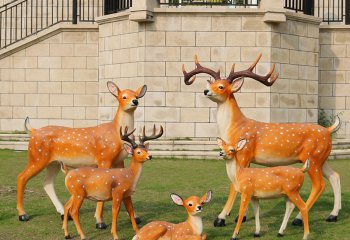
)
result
[(329, 10), (210, 3), (114, 6)]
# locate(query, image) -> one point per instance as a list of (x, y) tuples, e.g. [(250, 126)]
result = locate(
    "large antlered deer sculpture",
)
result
[(99, 146), (271, 144)]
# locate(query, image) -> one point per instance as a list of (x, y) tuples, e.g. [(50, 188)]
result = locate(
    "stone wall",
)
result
[(334, 87), (53, 81), (152, 53)]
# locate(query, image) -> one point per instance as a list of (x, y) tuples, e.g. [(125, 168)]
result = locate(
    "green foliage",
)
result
[(151, 200), (325, 119)]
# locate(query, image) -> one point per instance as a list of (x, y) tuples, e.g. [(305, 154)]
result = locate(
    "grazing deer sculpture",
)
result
[(191, 229), (264, 183), (271, 144), (99, 146), (108, 184)]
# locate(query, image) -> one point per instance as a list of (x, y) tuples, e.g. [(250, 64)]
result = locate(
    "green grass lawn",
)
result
[(151, 200)]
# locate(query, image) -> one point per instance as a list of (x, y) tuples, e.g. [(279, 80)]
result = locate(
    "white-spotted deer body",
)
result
[(108, 184), (99, 146), (265, 183), (271, 144), (191, 229)]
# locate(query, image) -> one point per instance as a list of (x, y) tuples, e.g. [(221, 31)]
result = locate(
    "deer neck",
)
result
[(233, 169), (124, 118), (136, 170), (228, 115), (196, 223)]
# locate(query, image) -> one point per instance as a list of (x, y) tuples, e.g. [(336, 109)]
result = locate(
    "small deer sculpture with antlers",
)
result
[(99, 146), (271, 144), (265, 183), (191, 229), (108, 184)]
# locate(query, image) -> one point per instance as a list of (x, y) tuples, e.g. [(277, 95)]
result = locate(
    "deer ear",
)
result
[(241, 143), (128, 148), (146, 146), (141, 91), (113, 88), (237, 84), (206, 197), (177, 199), (220, 142)]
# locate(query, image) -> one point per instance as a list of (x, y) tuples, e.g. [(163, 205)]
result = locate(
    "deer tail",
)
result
[(306, 166), (336, 125), (135, 238), (28, 128)]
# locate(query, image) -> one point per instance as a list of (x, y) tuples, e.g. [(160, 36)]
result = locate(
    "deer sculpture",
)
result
[(108, 184), (99, 146), (191, 229), (271, 144), (264, 183)]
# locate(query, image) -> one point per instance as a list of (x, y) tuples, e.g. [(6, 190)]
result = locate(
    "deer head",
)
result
[(193, 204), (229, 151), (220, 89), (139, 151), (128, 99)]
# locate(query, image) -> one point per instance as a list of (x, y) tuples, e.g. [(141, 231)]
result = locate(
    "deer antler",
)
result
[(197, 70), (249, 73), (144, 138), (125, 136)]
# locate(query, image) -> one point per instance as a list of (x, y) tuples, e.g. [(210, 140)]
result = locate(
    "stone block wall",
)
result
[(53, 81), (334, 86)]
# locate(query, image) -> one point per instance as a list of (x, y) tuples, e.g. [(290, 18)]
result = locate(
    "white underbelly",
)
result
[(82, 161), (267, 195), (270, 161)]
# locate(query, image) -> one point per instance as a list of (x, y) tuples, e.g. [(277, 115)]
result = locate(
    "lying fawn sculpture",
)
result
[(264, 183), (108, 184), (191, 229), (271, 144), (99, 146)]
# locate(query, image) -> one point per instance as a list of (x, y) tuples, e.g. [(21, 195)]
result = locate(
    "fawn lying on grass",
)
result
[(191, 229), (264, 183), (116, 184)]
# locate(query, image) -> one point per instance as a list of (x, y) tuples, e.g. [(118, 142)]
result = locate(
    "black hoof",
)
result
[(279, 235), (69, 217), (101, 225), (138, 220), (219, 222), (256, 235), (332, 218), (297, 222), (67, 237), (23, 218), (244, 219)]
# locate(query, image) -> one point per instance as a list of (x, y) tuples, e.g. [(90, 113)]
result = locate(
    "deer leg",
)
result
[(130, 208), (115, 212), (255, 203), (67, 207), (242, 209), (289, 209), (30, 171), (318, 186), (100, 224), (77, 201), (298, 201), (51, 173), (334, 179), (220, 220), (190, 237)]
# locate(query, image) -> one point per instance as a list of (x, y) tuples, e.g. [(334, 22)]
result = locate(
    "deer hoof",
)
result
[(244, 219), (297, 222), (101, 225), (137, 220), (219, 222), (332, 218), (256, 235), (23, 218), (69, 217), (280, 235), (67, 237)]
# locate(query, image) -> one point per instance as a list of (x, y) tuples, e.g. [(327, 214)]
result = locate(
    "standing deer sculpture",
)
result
[(271, 144), (100, 146), (108, 184), (264, 183)]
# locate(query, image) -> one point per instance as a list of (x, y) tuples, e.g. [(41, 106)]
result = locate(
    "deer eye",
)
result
[(221, 87), (190, 204), (124, 97), (231, 150), (138, 152)]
